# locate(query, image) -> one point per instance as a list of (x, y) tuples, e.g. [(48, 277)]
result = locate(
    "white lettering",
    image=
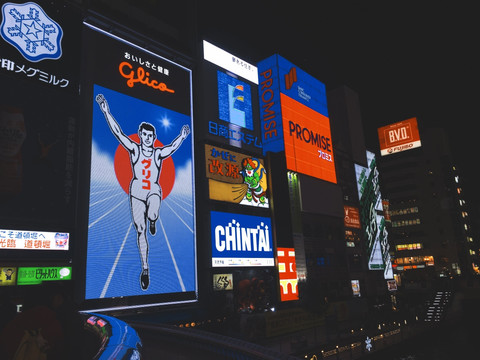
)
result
[(234, 237)]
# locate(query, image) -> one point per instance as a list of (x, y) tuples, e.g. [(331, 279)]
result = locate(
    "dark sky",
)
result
[(403, 58)]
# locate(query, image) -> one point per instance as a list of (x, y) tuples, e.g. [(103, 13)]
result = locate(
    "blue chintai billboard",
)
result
[(241, 240)]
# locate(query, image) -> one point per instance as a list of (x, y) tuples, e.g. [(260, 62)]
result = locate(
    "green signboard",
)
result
[(36, 275)]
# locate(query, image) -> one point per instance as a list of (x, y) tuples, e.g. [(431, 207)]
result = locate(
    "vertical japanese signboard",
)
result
[(295, 119), (141, 225), (371, 215)]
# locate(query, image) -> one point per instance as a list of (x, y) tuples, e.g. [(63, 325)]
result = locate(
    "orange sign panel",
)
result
[(401, 136), (352, 217), (308, 142)]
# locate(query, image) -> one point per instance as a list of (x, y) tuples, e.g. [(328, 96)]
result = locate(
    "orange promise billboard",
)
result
[(294, 116)]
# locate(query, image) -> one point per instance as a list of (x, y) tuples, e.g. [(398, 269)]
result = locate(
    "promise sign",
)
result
[(401, 136), (293, 110)]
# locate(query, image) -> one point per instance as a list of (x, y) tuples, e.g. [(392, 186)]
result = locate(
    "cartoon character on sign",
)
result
[(145, 192), (254, 176)]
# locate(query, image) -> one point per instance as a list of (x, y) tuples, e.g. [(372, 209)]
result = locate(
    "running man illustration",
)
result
[(145, 192)]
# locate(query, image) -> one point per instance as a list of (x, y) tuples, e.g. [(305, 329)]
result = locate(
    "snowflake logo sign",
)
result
[(31, 31)]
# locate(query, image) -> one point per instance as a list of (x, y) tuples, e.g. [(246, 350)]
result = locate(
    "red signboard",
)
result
[(352, 217), (287, 272), (399, 137)]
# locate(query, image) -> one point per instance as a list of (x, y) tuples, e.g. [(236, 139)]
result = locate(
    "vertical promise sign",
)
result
[(141, 226)]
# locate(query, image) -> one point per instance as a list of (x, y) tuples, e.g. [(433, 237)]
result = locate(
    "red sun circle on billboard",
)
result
[(124, 174)]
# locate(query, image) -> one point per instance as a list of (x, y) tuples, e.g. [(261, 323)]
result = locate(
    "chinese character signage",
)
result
[(235, 177), (352, 217), (241, 240), (295, 119), (287, 272), (141, 226), (222, 282), (33, 240)]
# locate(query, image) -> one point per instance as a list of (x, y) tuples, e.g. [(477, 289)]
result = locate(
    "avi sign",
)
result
[(399, 137)]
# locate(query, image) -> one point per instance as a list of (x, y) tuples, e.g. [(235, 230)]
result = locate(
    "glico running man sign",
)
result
[(141, 228)]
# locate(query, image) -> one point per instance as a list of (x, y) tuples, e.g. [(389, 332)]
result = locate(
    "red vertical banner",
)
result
[(287, 271)]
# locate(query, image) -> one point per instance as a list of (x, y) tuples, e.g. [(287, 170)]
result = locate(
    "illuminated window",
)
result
[(459, 190), (408, 222), (456, 179), (415, 246), (464, 214), (469, 239), (472, 252), (415, 260)]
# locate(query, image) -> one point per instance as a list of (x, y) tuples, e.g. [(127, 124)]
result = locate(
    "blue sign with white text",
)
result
[(241, 240)]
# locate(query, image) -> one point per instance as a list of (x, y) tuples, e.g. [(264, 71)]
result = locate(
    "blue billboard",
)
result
[(279, 76), (241, 240), (141, 220)]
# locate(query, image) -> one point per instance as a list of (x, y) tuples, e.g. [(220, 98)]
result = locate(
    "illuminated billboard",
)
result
[(33, 240), (37, 275), (141, 225), (371, 216), (241, 240), (232, 110), (352, 217), (39, 117), (401, 136), (295, 119), (287, 273), (222, 282), (235, 177), (356, 288), (8, 275)]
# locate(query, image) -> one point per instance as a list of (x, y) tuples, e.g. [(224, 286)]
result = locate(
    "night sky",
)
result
[(404, 59)]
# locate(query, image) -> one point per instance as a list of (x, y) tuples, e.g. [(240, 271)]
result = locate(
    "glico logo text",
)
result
[(140, 76)]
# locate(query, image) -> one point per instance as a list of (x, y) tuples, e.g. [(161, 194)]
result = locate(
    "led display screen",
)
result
[(235, 177), (33, 240), (401, 136), (287, 273), (371, 215), (234, 101), (230, 101), (241, 240), (141, 226), (295, 118), (37, 275)]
